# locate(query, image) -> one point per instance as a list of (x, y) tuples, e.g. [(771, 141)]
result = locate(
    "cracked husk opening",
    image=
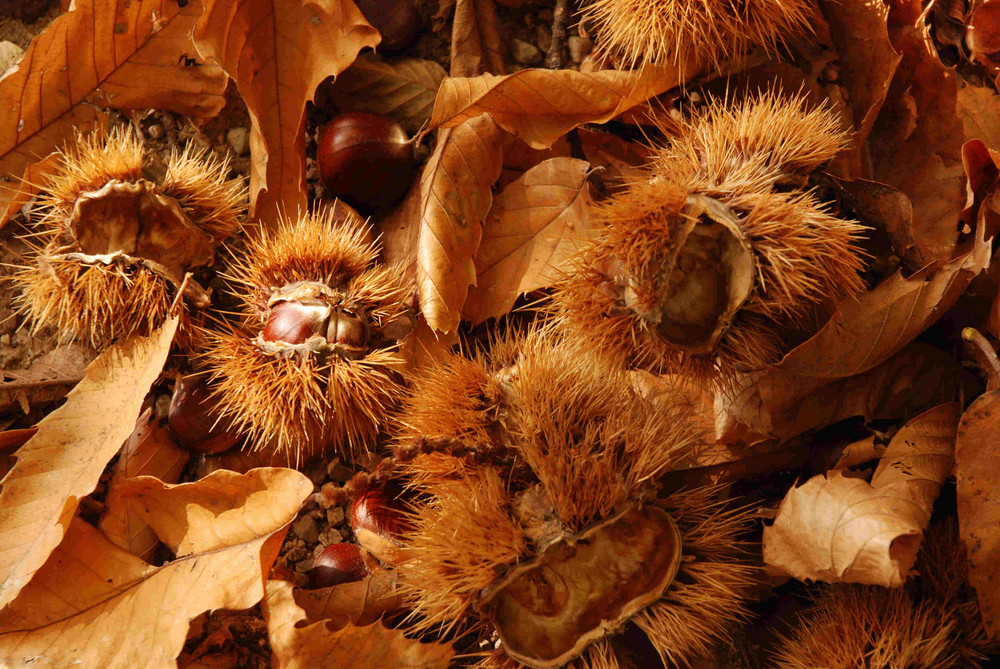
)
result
[(580, 589)]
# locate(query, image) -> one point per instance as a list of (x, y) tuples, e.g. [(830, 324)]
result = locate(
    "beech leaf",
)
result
[(977, 469), (868, 329), (278, 53), (222, 509), (149, 451), (299, 645), (103, 53), (540, 105), (438, 227), (94, 605), (360, 602), (64, 460), (536, 224), (403, 90), (838, 528)]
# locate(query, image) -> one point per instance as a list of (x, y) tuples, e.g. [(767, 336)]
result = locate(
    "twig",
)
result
[(985, 356), (557, 47)]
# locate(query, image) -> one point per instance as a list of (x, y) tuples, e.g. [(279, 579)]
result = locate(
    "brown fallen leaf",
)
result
[(778, 405), (359, 603), (278, 53), (14, 197), (536, 224), (48, 378), (977, 469), (866, 66), (475, 42), (841, 529), (425, 345), (64, 460), (95, 605), (149, 451), (403, 90), (868, 329), (437, 229), (222, 509), (103, 53), (622, 161), (540, 105), (979, 109), (916, 143), (298, 645)]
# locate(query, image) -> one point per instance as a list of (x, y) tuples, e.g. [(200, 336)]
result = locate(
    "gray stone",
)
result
[(305, 528), (525, 53), (239, 141)]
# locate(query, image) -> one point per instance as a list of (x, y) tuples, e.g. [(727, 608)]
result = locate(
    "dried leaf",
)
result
[(868, 329), (622, 161), (360, 603), (977, 470), (778, 405), (917, 141), (474, 37), (837, 528), (423, 346), (278, 53), (48, 378), (437, 228), (103, 53), (979, 108), (536, 224), (222, 509), (540, 105), (64, 460), (12, 198), (296, 645), (867, 64), (94, 605), (403, 90), (149, 451)]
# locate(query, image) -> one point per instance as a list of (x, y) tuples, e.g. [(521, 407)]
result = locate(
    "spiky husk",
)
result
[(933, 622), (93, 303), (754, 158), (99, 302), (667, 31), (304, 404), (571, 426)]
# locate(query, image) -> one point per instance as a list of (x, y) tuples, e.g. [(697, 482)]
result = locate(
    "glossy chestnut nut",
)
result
[(365, 159), (378, 510), (338, 563), (292, 322), (193, 419), (396, 21)]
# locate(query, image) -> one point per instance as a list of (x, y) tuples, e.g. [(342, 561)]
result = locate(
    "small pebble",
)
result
[(330, 536), (156, 131), (305, 528), (162, 407), (239, 140), (579, 48), (5, 340), (335, 516), (525, 53)]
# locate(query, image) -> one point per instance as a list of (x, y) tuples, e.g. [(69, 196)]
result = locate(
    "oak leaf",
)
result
[(298, 643), (403, 90), (839, 528), (540, 105), (437, 229), (103, 53), (64, 460), (149, 451), (222, 509), (536, 224), (977, 470), (94, 605), (278, 53)]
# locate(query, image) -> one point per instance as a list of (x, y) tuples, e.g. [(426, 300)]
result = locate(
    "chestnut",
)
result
[(338, 563), (292, 322), (365, 159), (193, 419), (396, 21), (378, 522)]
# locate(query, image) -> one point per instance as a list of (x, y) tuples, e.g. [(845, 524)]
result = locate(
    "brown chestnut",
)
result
[(338, 563), (193, 419), (378, 522), (292, 322), (396, 21), (365, 159)]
